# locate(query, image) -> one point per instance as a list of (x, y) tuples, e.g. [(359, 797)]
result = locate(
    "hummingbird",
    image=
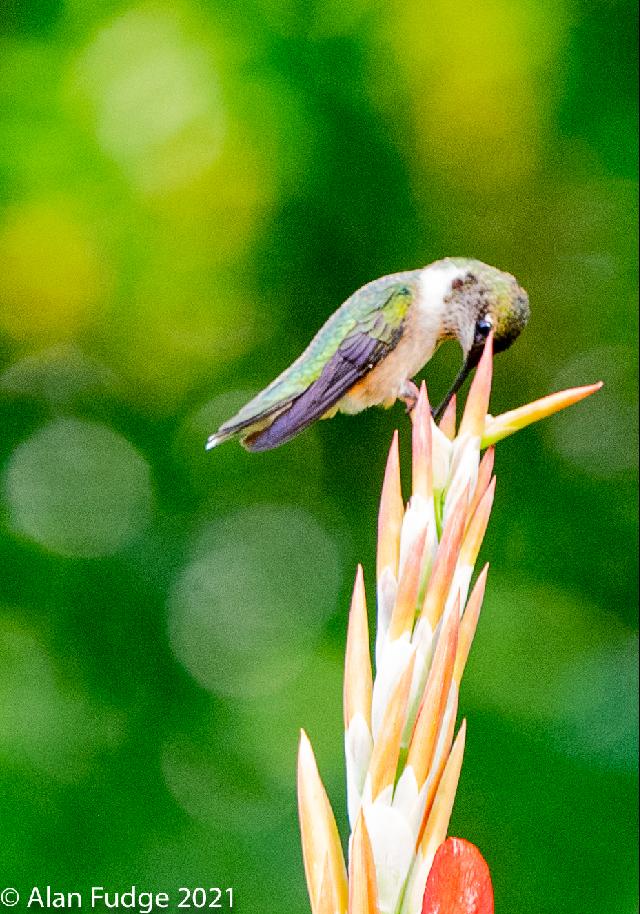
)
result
[(369, 350)]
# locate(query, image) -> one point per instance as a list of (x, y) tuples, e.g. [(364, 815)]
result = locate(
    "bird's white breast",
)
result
[(423, 331), (435, 287)]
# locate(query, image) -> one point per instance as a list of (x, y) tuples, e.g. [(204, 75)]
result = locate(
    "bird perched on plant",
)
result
[(369, 350)]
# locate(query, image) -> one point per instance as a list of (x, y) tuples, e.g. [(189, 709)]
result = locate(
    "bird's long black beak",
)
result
[(471, 360)]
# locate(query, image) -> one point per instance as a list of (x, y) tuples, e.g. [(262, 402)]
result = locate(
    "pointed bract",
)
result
[(485, 471), (445, 563), (499, 427), (362, 875), (477, 527), (429, 719), (404, 611), (436, 828), (448, 422), (358, 678), (422, 465), (475, 411), (443, 750), (384, 761), (326, 900), (391, 513), (469, 624), (321, 846)]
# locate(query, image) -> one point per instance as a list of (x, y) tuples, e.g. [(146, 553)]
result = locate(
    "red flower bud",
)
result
[(459, 881)]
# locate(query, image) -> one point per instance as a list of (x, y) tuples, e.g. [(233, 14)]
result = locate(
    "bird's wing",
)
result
[(372, 335)]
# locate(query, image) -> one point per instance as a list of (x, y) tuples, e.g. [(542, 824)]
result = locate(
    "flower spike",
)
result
[(402, 761)]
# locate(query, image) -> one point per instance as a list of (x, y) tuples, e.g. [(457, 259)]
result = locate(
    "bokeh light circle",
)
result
[(601, 440), (575, 665), (78, 489), (249, 606), (220, 795), (49, 723)]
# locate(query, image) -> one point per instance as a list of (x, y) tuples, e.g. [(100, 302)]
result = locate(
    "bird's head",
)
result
[(483, 299), (478, 300)]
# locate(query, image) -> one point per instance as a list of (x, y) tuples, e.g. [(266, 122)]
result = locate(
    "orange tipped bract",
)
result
[(321, 849), (390, 514), (363, 892), (498, 427), (357, 664), (422, 469), (448, 421), (477, 405)]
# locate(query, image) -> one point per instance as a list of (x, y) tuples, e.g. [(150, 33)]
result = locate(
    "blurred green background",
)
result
[(187, 190)]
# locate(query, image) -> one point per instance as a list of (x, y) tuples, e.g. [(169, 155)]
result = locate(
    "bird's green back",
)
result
[(377, 309)]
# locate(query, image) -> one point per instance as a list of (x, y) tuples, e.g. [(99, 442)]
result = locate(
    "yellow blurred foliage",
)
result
[(150, 86), (481, 79), (51, 274), (174, 347), (221, 211), (152, 93)]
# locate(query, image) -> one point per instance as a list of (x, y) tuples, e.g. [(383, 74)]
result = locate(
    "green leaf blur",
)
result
[(187, 190)]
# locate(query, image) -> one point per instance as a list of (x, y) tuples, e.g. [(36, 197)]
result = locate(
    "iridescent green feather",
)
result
[(378, 309)]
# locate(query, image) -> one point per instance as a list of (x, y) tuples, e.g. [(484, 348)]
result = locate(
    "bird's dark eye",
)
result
[(483, 328)]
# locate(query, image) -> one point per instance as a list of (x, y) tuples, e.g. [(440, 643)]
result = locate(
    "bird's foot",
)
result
[(409, 394)]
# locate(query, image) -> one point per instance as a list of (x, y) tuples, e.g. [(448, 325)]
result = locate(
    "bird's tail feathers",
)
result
[(218, 438), (252, 425)]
